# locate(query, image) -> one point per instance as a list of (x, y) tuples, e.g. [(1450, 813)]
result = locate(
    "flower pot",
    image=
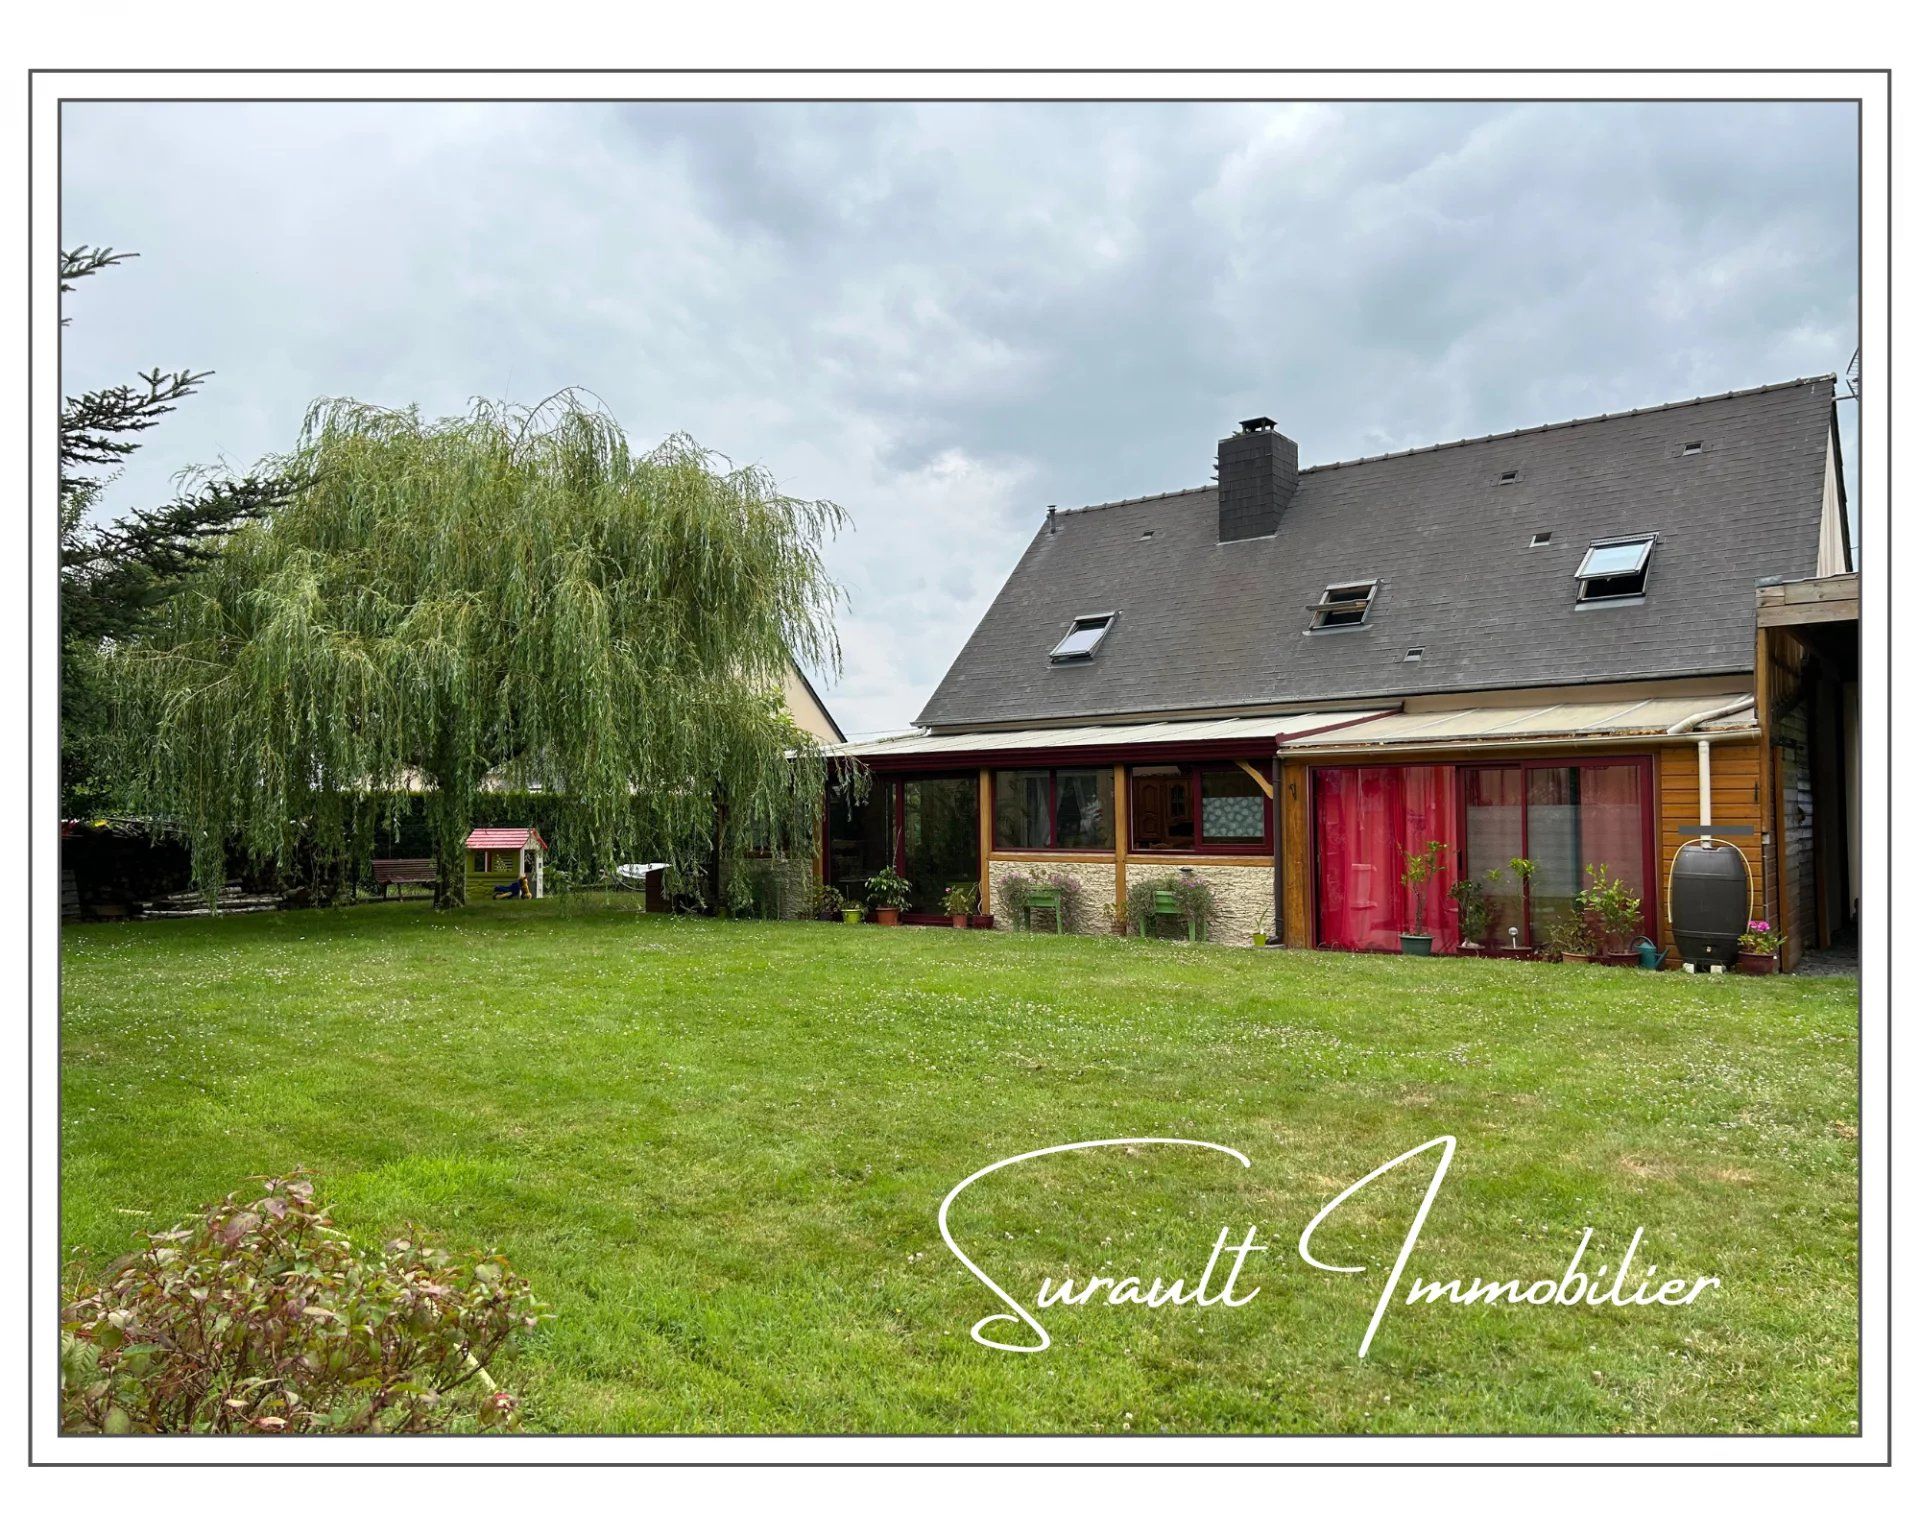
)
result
[(1259, 941), (1620, 957), (980, 920), (1758, 965), (958, 919), (887, 917), (1416, 943), (851, 914), (1572, 959)]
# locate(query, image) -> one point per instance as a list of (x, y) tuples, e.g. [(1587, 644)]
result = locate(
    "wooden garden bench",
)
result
[(398, 872), (1164, 904)]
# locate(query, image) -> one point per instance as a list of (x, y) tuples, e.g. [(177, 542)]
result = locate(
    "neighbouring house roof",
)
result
[(1262, 733), (1203, 626), (807, 707), (1533, 725), (505, 837)]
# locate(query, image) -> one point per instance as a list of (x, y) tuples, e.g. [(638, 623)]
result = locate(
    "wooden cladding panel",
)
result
[(1736, 802), (1295, 826)]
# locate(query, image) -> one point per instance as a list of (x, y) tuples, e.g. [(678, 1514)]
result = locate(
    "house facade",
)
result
[(1581, 644)]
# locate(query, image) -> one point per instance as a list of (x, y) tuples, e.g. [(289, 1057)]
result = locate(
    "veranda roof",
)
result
[(1731, 714), (1249, 732)]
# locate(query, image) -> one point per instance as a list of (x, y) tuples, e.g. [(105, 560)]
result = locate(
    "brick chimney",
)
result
[(1259, 471)]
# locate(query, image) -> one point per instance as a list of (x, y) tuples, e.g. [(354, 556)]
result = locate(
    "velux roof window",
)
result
[(1615, 568), (1343, 607), (1083, 639)]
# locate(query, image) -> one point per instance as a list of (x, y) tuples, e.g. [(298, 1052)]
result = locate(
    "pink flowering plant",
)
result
[(1760, 939)]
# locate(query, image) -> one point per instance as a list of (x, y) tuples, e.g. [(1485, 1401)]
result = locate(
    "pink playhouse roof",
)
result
[(504, 837)]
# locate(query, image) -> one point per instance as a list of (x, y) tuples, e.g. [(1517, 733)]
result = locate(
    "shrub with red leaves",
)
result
[(263, 1317)]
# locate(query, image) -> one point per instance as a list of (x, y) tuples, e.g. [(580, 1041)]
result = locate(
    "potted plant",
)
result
[(888, 890), (959, 901), (1263, 934), (1057, 896), (1611, 912), (1476, 911), (1185, 896), (1568, 938), (852, 912), (1759, 950), (1416, 875), (825, 902)]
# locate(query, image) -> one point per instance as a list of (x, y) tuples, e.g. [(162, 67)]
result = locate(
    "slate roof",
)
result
[(1205, 626)]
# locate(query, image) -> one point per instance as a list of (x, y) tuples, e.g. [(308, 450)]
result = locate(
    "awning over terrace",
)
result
[(1730, 714), (1262, 734)]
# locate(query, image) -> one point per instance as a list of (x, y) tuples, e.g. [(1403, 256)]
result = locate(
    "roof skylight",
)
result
[(1343, 607), (1082, 639), (1615, 568)]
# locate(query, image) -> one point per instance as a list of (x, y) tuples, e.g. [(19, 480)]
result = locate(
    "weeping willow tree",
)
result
[(511, 600)]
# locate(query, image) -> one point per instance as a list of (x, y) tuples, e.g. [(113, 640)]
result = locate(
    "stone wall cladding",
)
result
[(1096, 886), (1245, 897), (1244, 894)]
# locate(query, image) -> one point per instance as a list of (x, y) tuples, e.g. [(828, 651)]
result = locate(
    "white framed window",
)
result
[(1615, 568), (1082, 638)]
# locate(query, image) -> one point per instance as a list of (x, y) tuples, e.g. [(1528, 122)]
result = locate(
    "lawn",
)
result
[(718, 1150)]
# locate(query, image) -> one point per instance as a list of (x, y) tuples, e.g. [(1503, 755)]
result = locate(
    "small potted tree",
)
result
[(1567, 937), (1611, 912), (888, 890), (959, 901), (1470, 899), (1417, 872), (1759, 950)]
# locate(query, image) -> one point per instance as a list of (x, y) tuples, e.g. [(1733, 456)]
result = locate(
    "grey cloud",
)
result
[(946, 316)]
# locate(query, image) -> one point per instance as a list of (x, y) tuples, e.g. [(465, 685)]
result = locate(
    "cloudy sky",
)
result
[(945, 317)]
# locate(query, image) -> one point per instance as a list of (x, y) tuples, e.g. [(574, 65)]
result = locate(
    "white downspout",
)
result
[(1706, 793), (1680, 728)]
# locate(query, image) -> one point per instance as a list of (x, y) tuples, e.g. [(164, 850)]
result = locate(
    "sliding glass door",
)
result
[(1579, 817), (927, 829), (1495, 815), (1566, 817), (940, 838)]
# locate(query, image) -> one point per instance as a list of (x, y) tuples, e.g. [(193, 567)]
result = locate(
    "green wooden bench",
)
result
[(1165, 904), (1045, 901)]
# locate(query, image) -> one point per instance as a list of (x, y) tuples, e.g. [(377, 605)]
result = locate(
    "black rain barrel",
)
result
[(1709, 899)]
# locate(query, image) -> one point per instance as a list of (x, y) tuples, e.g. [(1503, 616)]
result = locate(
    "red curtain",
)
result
[(1612, 831), (1366, 820)]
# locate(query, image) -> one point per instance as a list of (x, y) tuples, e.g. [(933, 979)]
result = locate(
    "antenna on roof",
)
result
[(1853, 376)]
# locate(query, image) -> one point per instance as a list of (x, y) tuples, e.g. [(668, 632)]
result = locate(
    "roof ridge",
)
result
[(1128, 501), (1577, 421), (1490, 437)]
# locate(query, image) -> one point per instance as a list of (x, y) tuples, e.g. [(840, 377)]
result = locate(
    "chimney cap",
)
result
[(1258, 424)]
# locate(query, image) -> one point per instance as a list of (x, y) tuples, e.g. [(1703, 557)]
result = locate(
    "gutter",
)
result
[(1496, 743)]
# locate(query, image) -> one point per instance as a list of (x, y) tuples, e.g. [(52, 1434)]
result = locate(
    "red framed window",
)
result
[(1199, 808), (1041, 809)]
